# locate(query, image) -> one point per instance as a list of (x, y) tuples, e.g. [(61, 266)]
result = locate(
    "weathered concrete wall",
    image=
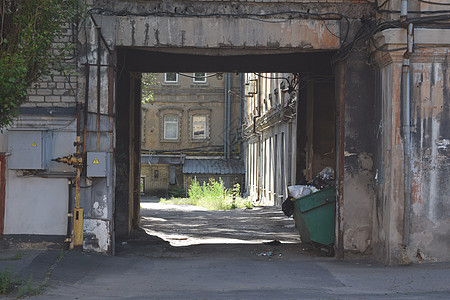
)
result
[(226, 32), (98, 130), (429, 214), (358, 151), (430, 210), (288, 25)]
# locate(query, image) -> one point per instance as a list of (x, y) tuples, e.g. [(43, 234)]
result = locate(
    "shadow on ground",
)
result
[(183, 230)]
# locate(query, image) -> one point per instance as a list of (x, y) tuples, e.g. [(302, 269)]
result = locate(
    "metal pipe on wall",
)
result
[(98, 84), (340, 146), (404, 10), (229, 118), (407, 147), (225, 107)]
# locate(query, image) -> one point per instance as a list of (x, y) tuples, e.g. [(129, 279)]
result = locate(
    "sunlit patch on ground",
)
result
[(185, 225)]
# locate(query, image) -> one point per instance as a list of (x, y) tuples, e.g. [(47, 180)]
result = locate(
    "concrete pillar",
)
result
[(429, 227)]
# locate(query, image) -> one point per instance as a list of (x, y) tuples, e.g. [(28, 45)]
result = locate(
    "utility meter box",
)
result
[(97, 164), (27, 150)]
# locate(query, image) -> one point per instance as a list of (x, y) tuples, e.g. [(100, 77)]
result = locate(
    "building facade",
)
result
[(388, 68), (187, 122), (270, 136)]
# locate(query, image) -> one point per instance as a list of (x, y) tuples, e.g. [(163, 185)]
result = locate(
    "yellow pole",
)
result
[(78, 211)]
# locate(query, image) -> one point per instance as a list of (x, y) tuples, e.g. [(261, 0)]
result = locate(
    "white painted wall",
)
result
[(3, 142), (36, 205)]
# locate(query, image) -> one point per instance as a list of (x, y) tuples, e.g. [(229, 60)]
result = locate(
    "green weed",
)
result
[(17, 256), (212, 196), (7, 281), (27, 289), (177, 192)]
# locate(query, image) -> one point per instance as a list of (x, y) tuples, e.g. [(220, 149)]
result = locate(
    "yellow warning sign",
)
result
[(34, 144), (95, 162)]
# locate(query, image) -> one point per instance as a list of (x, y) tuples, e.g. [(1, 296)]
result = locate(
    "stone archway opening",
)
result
[(316, 110)]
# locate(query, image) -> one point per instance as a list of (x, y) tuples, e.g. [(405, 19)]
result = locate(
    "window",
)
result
[(171, 77), (199, 129), (199, 124), (199, 77), (170, 127)]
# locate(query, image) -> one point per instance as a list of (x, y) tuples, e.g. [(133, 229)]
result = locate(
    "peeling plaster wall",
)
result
[(358, 155), (430, 204), (97, 198), (225, 32), (429, 225), (97, 237)]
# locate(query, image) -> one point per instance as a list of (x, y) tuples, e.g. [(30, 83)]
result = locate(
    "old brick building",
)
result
[(185, 129)]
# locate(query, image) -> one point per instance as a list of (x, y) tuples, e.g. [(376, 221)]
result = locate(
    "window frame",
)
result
[(199, 111), (170, 81), (171, 122), (205, 132), (194, 79)]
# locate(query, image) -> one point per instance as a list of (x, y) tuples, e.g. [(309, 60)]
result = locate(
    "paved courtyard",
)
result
[(189, 253)]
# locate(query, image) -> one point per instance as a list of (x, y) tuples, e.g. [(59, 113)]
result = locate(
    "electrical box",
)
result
[(96, 164), (27, 150)]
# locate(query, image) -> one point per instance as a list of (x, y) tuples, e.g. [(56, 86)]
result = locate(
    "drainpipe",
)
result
[(229, 118), (242, 99), (259, 140), (407, 147), (225, 115), (99, 61), (404, 10)]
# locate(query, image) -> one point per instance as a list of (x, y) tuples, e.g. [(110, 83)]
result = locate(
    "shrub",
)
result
[(212, 196), (177, 192)]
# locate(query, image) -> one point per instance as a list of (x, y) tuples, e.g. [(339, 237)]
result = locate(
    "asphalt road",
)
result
[(189, 253)]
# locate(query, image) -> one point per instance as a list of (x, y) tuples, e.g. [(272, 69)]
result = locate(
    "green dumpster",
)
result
[(314, 216)]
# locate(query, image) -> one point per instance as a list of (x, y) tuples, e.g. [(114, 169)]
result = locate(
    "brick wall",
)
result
[(59, 89), (154, 185)]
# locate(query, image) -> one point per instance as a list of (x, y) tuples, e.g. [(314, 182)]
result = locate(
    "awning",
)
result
[(213, 166)]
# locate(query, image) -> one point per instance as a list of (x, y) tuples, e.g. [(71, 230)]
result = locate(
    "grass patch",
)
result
[(17, 256), (212, 196), (15, 286), (8, 282), (178, 201), (27, 289), (5, 281)]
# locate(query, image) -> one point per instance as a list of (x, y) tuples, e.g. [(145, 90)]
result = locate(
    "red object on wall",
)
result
[(2, 191)]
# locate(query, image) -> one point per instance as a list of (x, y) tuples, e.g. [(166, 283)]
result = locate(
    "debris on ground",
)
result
[(273, 243), (271, 253)]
